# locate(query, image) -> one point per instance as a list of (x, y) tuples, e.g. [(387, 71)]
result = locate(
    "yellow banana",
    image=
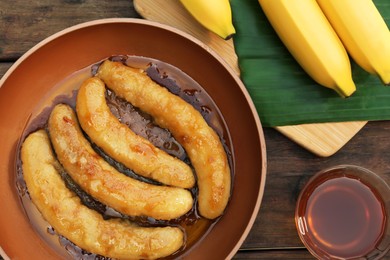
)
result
[(215, 15), (309, 37), (363, 32)]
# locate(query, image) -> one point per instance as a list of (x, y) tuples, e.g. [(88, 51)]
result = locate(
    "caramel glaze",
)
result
[(142, 124), (116, 238), (187, 125)]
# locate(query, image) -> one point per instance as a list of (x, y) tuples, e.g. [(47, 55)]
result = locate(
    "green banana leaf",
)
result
[(283, 93)]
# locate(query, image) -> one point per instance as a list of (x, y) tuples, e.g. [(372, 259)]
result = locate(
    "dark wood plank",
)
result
[(24, 23), (4, 66), (299, 254)]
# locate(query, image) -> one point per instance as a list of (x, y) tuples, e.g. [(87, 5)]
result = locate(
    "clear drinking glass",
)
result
[(344, 213)]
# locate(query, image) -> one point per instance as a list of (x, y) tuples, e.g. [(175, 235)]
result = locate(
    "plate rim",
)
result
[(255, 116)]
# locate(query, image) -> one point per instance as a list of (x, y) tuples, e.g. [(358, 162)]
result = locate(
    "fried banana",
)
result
[(103, 182), (86, 228), (202, 144), (122, 144)]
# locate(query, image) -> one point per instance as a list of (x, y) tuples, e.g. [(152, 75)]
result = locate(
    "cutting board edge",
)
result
[(324, 149)]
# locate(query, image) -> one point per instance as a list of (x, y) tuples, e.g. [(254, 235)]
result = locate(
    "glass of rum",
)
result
[(344, 213)]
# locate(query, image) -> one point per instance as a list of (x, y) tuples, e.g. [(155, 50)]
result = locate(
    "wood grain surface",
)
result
[(323, 139), (24, 23)]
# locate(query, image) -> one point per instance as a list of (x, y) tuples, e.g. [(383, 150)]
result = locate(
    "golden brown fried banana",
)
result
[(122, 144), (63, 210), (187, 125), (105, 183)]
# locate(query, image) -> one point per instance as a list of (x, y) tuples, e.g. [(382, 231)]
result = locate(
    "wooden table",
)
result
[(273, 236)]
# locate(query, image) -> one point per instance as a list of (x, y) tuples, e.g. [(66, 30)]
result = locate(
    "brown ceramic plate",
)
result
[(54, 59)]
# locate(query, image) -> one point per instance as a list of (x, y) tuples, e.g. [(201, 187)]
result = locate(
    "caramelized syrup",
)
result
[(177, 82), (341, 216)]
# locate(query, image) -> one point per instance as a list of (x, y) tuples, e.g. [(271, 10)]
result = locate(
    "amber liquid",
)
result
[(343, 217)]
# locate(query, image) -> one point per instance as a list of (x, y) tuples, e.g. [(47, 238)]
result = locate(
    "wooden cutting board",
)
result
[(322, 139)]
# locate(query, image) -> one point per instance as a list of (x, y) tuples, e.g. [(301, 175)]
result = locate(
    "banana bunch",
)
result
[(307, 34), (215, 15), (363, 32), (320, 33)]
